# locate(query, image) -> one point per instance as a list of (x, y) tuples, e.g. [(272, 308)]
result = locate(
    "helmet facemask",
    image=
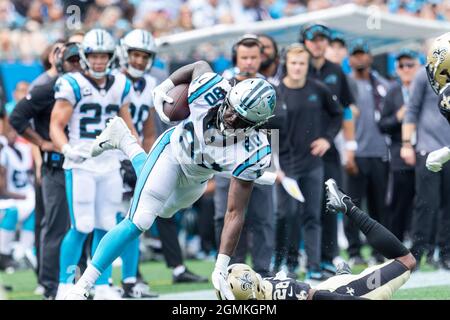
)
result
[(230, 122), (125, 61), (86, 66)]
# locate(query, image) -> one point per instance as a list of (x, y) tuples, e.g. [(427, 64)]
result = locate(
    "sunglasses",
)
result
[(407, 65)]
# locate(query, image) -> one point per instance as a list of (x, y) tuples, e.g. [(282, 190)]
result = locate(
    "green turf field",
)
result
[(160, 278)]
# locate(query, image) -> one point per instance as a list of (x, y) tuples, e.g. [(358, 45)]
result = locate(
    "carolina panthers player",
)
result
[(217, 137), (16, 165), (84, 102), (378, 282), (438, 71), (136, 53)]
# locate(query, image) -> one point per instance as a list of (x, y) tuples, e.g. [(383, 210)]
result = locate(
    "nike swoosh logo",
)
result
[(102, 143)]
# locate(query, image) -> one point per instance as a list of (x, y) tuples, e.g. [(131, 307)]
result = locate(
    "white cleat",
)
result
[(110, 138), (106, 292), (77, 293), (63, 290)]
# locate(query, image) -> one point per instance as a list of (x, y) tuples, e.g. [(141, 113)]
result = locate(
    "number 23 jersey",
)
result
[(203, 151), (92, 107)]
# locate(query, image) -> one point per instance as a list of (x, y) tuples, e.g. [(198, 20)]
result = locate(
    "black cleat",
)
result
[(189, 277), (336, 197), (138, 290), (8, 264)]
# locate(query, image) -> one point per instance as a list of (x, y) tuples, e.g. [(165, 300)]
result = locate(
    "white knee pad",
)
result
[(85, 224), (144, 220)]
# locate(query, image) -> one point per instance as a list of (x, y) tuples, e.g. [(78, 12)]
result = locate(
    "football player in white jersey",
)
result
[(217, 138), (16, 186), (84, 102), (136, 53)]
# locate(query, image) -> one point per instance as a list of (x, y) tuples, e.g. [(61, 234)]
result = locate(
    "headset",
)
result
[(285, 52), (251, 38)]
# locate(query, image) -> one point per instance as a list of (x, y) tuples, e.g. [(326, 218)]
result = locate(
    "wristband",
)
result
[(222, 261), (351, 145)]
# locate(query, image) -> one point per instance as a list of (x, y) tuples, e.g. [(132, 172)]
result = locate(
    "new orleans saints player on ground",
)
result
[(438, 71), (377, 282)]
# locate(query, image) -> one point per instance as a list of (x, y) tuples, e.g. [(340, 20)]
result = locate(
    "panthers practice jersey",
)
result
[(92, 107), (285, 289), (203, 151), (18, 162)]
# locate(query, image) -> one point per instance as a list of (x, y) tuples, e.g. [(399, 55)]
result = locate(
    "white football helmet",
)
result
[(140, 40), (252, 100), (97, 41), (245, 283)]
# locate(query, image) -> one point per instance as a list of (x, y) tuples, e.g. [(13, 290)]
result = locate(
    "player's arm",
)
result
[(314, 294), (124, 113), (238, 197), (61, 114), (182, 75), (149, 131)]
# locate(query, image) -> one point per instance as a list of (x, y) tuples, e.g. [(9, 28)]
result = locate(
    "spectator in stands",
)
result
[(249, 11), (207, 13), (369, 181), (402, 192), (306, 100), (184, 21), (431, 214)]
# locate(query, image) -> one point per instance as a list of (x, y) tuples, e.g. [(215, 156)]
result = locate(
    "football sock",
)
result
[(380, 238), (97, 237), (71, 248), (113, 244)]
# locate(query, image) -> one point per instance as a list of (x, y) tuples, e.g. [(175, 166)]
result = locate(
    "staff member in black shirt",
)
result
[(392, 115), (316, 39), (36, 108), (309, 138)]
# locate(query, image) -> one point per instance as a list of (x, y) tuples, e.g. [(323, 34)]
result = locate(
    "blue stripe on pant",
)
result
[(147, 169), (116, 240)]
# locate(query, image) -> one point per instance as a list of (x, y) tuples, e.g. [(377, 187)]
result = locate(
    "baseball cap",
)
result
[(311, 31), (337, 37), (71, 51), (406, 53), (358, 45)]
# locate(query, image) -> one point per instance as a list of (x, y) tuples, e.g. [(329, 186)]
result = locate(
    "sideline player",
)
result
[(136, 53), (16, 185), (84, 103), (377, 282), (217, 137)]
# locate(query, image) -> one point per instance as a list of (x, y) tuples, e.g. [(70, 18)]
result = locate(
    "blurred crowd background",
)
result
[(28, 26)]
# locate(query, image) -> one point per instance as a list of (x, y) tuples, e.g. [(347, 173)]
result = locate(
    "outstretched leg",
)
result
[(377, 282)]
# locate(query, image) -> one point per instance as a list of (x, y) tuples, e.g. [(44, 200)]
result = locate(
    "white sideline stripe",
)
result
[(417, 280)]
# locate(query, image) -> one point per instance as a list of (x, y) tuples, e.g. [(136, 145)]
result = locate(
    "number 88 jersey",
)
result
[(92, 107)]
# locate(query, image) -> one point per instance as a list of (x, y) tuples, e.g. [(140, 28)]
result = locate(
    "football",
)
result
[(179, 109)]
